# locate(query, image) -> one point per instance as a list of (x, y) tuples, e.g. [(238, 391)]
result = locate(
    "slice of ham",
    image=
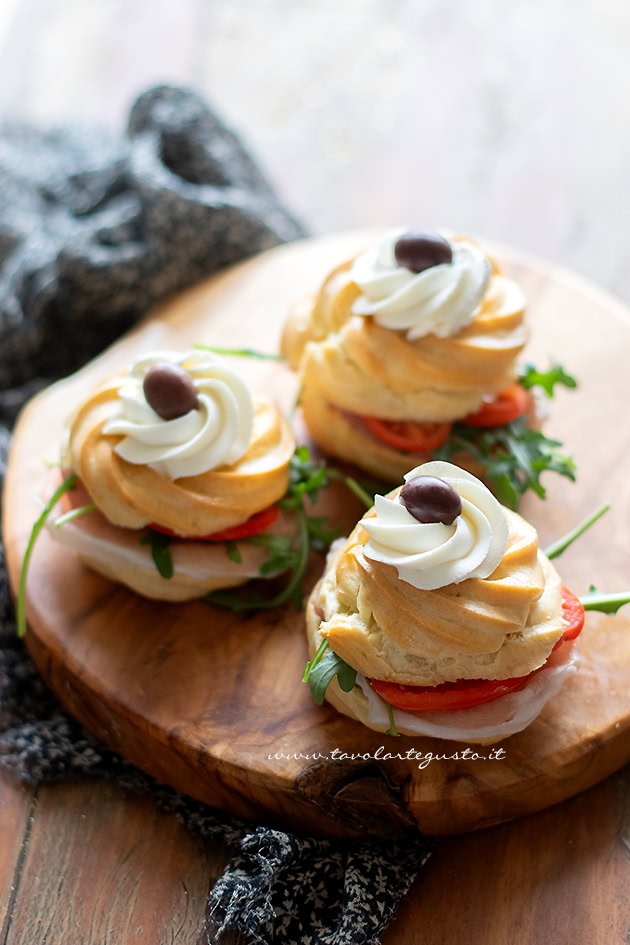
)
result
[(94, 538), (493, 720)]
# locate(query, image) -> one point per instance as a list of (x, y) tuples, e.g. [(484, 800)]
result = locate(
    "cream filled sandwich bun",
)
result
[(454, 620), (418, 332), (178, 453)]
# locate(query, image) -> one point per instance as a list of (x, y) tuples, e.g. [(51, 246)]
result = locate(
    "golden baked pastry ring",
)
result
[(201, 698)]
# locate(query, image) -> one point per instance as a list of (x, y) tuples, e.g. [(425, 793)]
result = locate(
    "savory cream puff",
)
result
[(451, 615), (420, 331), (175, 458)]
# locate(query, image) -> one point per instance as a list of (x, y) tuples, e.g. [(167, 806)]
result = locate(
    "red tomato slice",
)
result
[(253, 526), (459, 695), (511, 403), (466, 693), (573, 613), (409, 436)]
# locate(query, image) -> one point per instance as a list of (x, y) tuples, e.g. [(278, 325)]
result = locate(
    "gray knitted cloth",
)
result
[(94, 230)]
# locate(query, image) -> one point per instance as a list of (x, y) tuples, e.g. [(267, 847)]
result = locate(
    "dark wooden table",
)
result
[(86, 863), (502, 119)]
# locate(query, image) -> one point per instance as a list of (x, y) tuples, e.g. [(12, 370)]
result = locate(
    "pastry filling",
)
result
[(499, 438), (246, 549), (414, 436), (255, 524), (488, 721), (466, 693)]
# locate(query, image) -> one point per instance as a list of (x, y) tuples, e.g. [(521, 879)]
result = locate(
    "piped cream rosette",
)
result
[(200, 473), (423, 604)]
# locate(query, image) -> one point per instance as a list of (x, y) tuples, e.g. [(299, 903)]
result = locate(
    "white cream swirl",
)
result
[(440, 300), (432, 555), (217, 432)]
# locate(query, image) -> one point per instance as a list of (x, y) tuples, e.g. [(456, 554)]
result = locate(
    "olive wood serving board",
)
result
[(200, 698)]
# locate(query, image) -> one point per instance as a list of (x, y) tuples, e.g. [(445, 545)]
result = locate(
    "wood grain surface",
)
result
[(149, 867), (559, 876), (204, 700)]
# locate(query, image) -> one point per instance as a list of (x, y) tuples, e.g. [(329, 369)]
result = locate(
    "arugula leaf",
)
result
[(361, 493), (282, 556), (311, 664), (321, 537), (325, 665), (530, 376), (323, 672), (513, 455), (604, 603), (75, 513), (233, 552), (556, 549), (392, 725), (293, 588), (241, 352), (160, 552), (306, 478), (67, 485)]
